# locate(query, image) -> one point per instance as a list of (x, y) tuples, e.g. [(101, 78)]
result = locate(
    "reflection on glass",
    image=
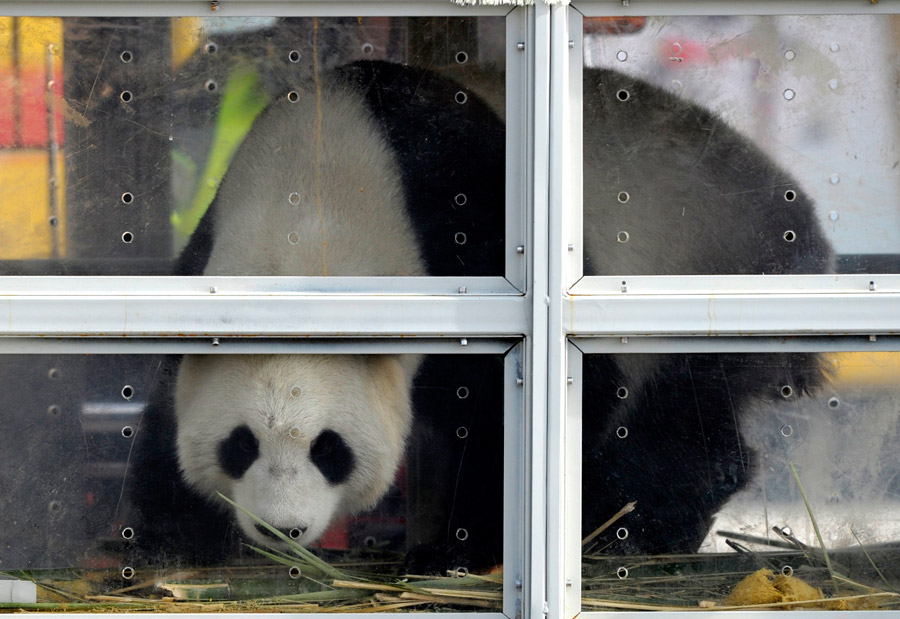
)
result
[(785, 163), (716, 466), (111, 469), (116, 135)]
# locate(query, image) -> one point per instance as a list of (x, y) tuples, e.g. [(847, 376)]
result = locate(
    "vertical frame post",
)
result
[(515, 463), (571, 531), (540, 296), (558, 201), (519, 144)]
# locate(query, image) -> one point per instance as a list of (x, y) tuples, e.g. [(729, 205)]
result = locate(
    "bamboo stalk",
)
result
[(442, 599), (449, 593), (629, 507)]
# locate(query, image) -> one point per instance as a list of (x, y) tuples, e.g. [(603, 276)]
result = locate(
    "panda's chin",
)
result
[(250, 532)]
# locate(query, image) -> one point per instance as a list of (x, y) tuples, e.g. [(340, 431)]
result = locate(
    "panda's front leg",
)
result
[(671, 444)]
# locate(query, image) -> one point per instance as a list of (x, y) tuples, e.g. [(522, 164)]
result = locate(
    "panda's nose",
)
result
[(292, 532)]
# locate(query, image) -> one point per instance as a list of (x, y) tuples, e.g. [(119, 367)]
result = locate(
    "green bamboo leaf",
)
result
[(324, 596), (283, 560), (871, 562)]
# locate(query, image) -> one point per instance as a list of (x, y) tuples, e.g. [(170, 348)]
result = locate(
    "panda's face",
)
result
[(295, 439)]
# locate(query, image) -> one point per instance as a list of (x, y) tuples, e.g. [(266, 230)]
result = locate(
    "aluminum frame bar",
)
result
[(627, 8), (241, 8), (297, 315), (734, 314)]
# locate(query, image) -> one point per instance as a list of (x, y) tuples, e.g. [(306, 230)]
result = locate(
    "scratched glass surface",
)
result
[(97, 453), (741, 145), (702, 470), (116, 135)]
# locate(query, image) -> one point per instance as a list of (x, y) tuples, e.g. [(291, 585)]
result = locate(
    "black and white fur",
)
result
[(354, 174), (376, 153)]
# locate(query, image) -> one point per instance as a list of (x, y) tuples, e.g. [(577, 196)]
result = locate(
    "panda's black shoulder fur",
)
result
[(452, 160)]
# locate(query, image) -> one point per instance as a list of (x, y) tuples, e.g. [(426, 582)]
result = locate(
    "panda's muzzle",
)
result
[(294, 533)]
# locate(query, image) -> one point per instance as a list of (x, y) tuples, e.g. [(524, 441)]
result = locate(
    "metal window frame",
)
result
[(490, 315), (541, 303), (241, 8), (664, 314), (518, 224), (579, 346)]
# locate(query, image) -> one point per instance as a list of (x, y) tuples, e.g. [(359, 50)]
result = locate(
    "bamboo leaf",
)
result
[(815, 525), (299, 550)]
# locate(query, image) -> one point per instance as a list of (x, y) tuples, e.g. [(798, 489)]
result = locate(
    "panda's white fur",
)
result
[(287, 401), (313, 190), (347, 216)]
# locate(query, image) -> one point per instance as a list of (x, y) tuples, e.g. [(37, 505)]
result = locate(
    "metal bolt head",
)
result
[(520, 45)]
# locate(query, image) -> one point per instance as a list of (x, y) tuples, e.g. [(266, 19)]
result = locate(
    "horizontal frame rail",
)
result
[(283, 315)]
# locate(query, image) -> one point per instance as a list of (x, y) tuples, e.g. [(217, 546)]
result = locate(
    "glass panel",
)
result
[(741, 145), (735, 480), (111, 469), (382, 150)]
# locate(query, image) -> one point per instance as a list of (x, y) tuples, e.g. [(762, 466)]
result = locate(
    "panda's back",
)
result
[(373, 169), (314, 190)]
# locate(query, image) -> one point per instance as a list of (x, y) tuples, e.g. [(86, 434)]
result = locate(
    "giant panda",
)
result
[(356, 174)]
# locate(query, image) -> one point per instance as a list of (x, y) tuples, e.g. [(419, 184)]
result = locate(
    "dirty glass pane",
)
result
[(734, 480), (741, 145), (111, 469), (380, 151)]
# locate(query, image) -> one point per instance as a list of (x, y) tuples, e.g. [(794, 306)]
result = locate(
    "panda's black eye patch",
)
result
[(238, 452), (332, 456)]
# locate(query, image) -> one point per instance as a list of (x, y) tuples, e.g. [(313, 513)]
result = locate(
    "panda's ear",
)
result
[(395, 372), (410, 365), (392, 375)]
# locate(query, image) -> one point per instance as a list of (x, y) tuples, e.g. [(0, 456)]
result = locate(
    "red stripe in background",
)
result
[(32, 108), (7, 116), (337, 536)]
